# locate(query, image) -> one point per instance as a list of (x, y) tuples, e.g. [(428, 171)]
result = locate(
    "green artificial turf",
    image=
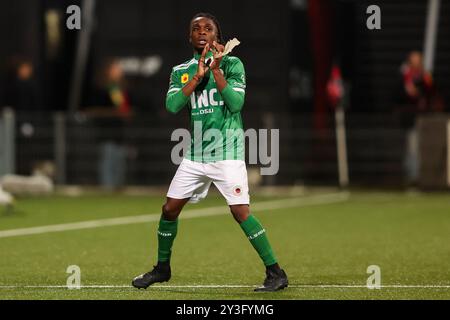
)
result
[(324, 248)]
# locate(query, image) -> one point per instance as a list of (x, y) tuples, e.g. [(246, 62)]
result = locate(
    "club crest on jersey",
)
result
[(185, 78), (237, 190)]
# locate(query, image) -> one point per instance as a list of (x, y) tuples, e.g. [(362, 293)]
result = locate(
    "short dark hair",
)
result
[(216, 22)]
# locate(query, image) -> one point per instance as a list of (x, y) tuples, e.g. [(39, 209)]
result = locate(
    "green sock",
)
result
[(258, 238), (167, 232)]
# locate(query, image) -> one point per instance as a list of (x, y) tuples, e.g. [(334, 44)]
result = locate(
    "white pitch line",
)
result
[(214, 286), (189, 214)]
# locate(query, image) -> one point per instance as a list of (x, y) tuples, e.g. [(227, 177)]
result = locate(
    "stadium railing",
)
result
[(375, 145)]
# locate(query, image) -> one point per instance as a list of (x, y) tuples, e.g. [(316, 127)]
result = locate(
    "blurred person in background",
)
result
[(417, 95), (23, 97), (21, 92), (111, 109), (335, 87)]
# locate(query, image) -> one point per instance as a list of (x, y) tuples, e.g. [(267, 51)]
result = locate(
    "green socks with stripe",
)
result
[(167, 232), (258, 238), (252, 228)]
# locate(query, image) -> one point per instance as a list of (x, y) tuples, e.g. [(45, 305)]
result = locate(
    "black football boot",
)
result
[(158, 274), (274, 281)]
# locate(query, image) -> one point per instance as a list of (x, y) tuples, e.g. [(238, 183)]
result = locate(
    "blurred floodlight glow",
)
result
[(147, 66)]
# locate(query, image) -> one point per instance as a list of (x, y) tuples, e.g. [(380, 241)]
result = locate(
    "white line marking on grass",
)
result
[(188, 214), (215, 286), (365, 286)]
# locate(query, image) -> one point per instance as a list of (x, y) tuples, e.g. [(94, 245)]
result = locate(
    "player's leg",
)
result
[(230, 177), (167, 231), (187, 183), (168, 228), (276, 278)]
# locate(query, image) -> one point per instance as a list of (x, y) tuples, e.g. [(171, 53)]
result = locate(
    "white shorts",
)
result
[(193, 179)]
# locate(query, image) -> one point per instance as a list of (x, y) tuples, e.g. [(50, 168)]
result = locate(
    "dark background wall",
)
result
[(142, 28), (279, 42), (276, 46), (24, 34), (379, 54)]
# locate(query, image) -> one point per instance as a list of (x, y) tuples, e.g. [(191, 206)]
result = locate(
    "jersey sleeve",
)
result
[(175, 99), (234, 93)]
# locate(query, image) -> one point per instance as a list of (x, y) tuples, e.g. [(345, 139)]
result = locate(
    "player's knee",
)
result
[(170, 212), (239, 215)]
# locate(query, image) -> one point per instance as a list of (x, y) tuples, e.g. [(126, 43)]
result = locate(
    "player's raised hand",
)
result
[(217, 54), (202, 67)]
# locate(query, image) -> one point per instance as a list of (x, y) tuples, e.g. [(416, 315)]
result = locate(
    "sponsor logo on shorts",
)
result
[(164, 234), (237, 190)]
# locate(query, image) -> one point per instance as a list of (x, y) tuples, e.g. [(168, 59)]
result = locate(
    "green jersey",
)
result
[(216, 124)]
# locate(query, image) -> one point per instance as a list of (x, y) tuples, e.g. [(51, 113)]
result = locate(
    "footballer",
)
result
[(212, 87)]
